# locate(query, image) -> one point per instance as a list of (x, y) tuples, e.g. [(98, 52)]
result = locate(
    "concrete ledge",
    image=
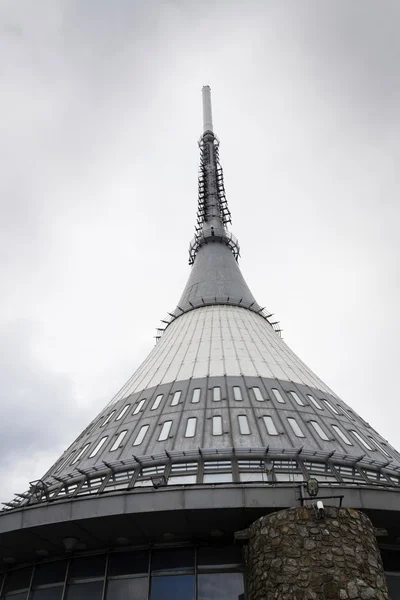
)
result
[(192, 511)]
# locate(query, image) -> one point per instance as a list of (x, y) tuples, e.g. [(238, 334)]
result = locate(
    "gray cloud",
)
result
[(39, 409)]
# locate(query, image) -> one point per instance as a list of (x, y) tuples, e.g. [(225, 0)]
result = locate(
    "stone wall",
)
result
[(293, 555)]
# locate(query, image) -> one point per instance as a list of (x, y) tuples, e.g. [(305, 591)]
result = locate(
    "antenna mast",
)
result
[(213, 213), (207, 112)]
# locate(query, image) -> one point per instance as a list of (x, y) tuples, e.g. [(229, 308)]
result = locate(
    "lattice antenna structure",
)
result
[(213, 214)]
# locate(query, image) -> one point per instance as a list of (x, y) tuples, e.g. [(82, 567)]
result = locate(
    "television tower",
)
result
[(223, 468)]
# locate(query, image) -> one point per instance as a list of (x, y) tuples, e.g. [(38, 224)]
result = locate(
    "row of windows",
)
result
[(226, 469), (217, 429), (237, 395), (181, 573)]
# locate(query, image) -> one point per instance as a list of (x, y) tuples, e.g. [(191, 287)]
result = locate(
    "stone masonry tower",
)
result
[(213, 439)]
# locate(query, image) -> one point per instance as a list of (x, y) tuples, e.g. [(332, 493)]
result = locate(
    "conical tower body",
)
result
[(220, 424), (222, 380)]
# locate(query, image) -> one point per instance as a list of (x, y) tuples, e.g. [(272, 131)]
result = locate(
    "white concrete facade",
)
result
[(220, 340)]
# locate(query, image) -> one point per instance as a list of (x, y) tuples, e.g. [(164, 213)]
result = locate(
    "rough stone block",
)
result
[(296, 556)]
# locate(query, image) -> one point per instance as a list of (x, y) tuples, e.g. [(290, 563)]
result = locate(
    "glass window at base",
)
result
[(172, 560), (393, 582), (17, 580), (124, 589), (173, 587), (50, 593), (128, 563), (204, 572), (87, 566), (85, 591), (220, 586), (48, 573), (218, 557)]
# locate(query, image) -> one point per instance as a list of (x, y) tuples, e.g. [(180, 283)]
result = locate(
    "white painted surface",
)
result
[(219, 340)]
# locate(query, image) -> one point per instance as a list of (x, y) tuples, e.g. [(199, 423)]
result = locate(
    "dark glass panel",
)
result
[(17, 580), (52, 593), (87, 566), (172, 587), (127, 589), (394, 586), (126, 563), (53, 572), (220, 586), (219, 555), (21, 596), (85, 591), (172, 560), (390, 559)]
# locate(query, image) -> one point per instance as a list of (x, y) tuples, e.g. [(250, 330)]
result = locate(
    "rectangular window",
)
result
[(217, 478), (127, 563), (196, 396), (99, 445), (270, 426), (64, 462), (139, 406), (347, 414), (49, 573), (118, 441), (315, 402), (361, 440), (331, 407), (223, 585), (217, 425), (173, 559), (216, 394), (183, 473), (157, 402), (176, 398), (243, 425), (297, 398), (219, 465), (191, 427), (210, 558), (320, 431), (342, 435), (257, 394), (108, 418), (237, 393), (164, 433), (87, 567), (54, 592), (379, 446), (278, 395), (140, 436), (123, 412), (91, 589), (80, 453), (179, 587), (126, 588), (17, 580), (296, 429)]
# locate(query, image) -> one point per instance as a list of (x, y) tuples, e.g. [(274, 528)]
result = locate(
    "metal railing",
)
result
[(272, 466), (209, 236)]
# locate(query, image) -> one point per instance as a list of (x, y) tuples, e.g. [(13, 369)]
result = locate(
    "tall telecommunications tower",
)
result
[(223, 455)]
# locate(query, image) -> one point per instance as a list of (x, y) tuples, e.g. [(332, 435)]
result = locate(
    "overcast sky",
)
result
[(100, 116)]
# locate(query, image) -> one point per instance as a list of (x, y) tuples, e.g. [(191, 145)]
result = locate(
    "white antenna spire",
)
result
[(207, 113)]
